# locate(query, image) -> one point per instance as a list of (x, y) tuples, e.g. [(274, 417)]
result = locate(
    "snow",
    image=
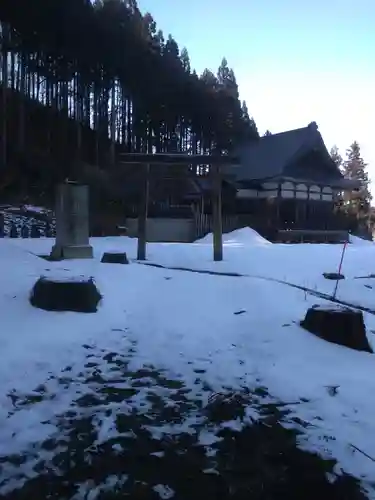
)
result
[(186, 323), (90, 491), (164, 492), (331, 308), (62, 276), (356, 240), (240, 237), (38, 210)]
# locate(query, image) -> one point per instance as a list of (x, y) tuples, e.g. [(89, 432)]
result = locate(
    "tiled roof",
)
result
[(273, 155)]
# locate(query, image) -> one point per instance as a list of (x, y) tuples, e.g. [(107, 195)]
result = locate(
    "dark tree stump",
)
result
[(340, 325), (115, 258), (333, 276), (71, 294)]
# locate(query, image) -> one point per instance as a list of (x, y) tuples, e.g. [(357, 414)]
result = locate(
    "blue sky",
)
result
[(295, 61)]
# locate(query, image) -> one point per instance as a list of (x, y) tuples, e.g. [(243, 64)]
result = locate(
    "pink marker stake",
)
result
[(340, 266)]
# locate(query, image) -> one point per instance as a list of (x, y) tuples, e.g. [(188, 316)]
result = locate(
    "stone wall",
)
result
[(164, 229)]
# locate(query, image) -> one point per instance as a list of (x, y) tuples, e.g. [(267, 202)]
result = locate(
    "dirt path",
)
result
[(150, 452)]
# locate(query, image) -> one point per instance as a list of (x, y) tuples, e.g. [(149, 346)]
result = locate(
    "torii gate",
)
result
[(72, 212), (180, 159)]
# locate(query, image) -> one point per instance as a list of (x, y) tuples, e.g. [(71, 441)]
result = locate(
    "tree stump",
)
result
[(115, 258), (339, 325), (65, 294)]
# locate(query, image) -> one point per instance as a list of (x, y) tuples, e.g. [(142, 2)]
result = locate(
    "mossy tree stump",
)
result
[(339, 325), (65, 294)]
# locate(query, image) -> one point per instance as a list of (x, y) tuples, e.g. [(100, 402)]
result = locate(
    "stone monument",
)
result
[(72, 222)]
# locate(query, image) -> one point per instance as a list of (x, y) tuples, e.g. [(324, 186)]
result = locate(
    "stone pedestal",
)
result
[(72, 223)]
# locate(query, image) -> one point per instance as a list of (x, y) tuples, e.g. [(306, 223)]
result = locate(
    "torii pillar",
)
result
[(72, 222)]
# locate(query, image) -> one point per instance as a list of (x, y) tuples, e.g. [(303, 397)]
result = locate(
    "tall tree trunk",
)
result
[(129, 135), (4, 78), (21, 111), (78, 155), (12, 75), (112, 153), (96, 122), (78, 116)]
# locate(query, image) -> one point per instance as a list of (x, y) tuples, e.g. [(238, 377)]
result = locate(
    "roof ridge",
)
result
[(268, 158), (310, 126)]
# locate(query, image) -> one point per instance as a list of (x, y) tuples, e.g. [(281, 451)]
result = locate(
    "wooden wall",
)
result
[(289, 190)]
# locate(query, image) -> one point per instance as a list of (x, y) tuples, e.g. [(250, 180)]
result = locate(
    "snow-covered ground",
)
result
[(235, 331)]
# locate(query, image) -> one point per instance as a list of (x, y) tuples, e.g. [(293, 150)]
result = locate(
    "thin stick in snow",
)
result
[(363, 453), (340, 266)]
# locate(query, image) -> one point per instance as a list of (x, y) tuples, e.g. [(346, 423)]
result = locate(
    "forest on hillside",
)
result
[(82, 80), (102, 66)]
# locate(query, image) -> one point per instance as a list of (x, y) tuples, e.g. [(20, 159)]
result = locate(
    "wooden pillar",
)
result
[(4, 117), (142, 213), (277, 208), (297, 210), (216, 213)]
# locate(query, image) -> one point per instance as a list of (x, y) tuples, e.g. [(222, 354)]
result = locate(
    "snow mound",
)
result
[(61, 278), (356, 240), (240, 237), (331, 307)]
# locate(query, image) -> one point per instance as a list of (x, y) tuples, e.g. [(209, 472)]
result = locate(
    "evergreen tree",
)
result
[(185, 60), (227, 80), (102, 80), (267, 133), (340, 204), (336, 157), (210, 79), (230, 111), (223, 73), (354, 167), (171, 48), (251, 130)]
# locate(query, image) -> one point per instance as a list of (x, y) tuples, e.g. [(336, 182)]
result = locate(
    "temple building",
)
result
[(288, 181)]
